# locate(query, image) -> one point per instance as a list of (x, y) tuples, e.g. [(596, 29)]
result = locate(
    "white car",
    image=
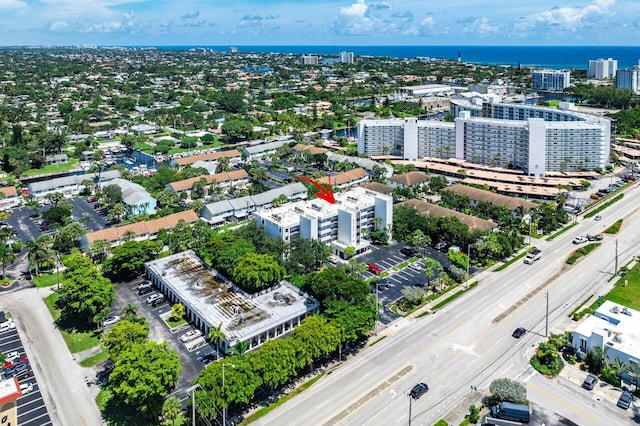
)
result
[(152, 297), (597, 217), (580, 240), (7, 325), (109, 321), (25, 388), (12, 356), (190, 335)]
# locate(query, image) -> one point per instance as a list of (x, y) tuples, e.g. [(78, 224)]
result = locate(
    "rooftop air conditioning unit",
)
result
[(615, 310)]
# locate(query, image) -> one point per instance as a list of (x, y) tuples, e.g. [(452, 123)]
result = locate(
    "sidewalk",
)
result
[(573, 376)]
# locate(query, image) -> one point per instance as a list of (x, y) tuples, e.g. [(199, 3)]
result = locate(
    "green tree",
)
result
[(316, 337), (88, 294), (354, 322), (275, 361), (7, 256), (177, 311), (412, 294), (112, 194), (432, 268), (171, 410), (128, 259), (216, 334), (257, 271), (336, 284), (144, 374), (505, 389), (124, 334), (237, 129)]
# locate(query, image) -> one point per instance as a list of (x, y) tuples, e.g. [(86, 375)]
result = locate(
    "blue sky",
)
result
[(319, 22)]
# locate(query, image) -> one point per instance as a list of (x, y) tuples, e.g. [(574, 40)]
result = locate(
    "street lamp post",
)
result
[(192, 389), (224, 409), (377, 309), (468, 263), (58, 269)]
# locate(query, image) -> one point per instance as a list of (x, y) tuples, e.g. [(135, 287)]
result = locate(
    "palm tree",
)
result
[(432, 268), (171, 409), (239, 349), (216, 335), (38, 251), (619, 366), (7, 256), (130, 311), (634, 370), (128, 235)]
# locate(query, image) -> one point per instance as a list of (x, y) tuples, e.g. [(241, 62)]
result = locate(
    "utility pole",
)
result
[(615, 270), (410, 398), (546, 329)]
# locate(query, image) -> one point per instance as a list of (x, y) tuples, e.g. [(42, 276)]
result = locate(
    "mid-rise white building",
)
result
[(612, 327), (553, 80), (346, 57), (347, 223), (527, 137), (629, 79), (309, 60), (602, 68)]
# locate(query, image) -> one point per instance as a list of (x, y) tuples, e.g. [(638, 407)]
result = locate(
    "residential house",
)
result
[(408, 180), (225, 180), (428, 209)]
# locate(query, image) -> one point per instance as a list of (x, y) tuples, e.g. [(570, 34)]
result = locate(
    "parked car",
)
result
[(160, 300), (519, 332), (12, 356), (373, 268), (109, 321), (408, 251), (625, 400), (25, 388), (153, 297), (580, 240), (590, 382), (418, 390), (441, 246), (145, 290), (92, 199), (190, 335)]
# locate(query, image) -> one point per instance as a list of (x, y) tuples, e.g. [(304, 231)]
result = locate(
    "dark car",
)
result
[(145, 290), (590, 382), (625, 400), (519, 332), (418, 390), (409, 251)]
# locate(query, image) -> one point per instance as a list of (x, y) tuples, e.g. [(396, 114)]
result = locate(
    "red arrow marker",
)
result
[(325, 194)]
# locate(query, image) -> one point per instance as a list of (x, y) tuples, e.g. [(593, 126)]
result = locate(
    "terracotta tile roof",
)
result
[(410, 178), (428, 209), (150, 227), (345, 177), (184, 185), (311, 149), (476, 194), (212, 156), (9, 191), (378, 187)]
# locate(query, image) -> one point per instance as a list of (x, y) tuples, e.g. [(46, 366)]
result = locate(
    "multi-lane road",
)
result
[(469, 342)]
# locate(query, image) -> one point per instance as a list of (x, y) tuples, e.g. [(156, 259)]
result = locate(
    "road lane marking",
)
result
[(355, 405), (565, 404), (508, 368)]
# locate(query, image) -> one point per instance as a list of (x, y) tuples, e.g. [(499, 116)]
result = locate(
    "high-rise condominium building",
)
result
[(629, 79), (346, 57), (526, 137), (553, 80), (602, 68)]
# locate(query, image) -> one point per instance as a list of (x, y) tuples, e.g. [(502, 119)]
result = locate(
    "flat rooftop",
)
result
[(218, 301)]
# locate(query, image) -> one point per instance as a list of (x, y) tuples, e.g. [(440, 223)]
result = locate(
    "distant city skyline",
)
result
[(326, 22)]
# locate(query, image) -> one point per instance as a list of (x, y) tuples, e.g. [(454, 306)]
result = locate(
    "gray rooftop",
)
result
[(255, 149), (218, 301), (50, 184)]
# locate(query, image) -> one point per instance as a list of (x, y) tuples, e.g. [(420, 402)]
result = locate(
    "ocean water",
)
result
[(555, 57)]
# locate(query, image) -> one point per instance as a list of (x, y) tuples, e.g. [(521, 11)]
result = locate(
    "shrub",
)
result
[(509, 390), (474, 414)]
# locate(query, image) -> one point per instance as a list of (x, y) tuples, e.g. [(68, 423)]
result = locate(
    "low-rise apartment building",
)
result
[(70, 185), (9, 198), (224, 180), (347, 223), (212, 157)]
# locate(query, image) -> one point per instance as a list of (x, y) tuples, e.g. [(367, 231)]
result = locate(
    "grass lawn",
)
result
[(53, 168), (96, 359), (46, 280), (102, 398), (629, 295), (615, 228), (582, 251), (76, 340), (175, 323)]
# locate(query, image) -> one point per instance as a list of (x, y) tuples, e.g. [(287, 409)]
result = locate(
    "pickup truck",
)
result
[(533, 256)]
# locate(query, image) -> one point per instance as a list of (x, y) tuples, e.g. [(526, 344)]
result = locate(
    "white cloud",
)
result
[(481, 27), (357, 9), (567, 18), (58, 26)]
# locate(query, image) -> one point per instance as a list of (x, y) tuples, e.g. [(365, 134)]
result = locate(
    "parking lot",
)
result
[(191, 360), (390, 287), (31, 407)]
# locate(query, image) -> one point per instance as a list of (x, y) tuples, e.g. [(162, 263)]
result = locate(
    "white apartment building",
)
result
[(346, 223), (309, 60), (612, 327), (527, 137), (602, 68), (346, 57), (629, 79), (553, 80)]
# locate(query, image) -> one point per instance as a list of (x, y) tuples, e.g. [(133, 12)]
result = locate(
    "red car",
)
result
[(374, 269)]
